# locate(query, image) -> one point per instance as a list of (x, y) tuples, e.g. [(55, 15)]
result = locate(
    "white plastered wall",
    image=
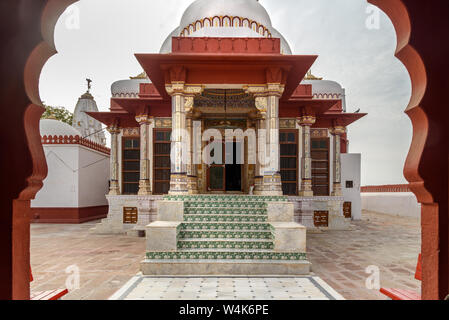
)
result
[(77, 178), (93, 178), (60, 188), (351, 171), (402, 204)]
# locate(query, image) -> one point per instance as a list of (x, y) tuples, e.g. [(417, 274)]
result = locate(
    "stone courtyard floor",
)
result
[(340, 258)]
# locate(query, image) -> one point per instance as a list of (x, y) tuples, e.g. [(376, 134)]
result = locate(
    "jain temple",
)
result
[(226, 149)]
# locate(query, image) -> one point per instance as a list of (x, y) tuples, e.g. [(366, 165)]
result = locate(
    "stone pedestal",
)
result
[(170, 211), (163, 236), (289, 237)]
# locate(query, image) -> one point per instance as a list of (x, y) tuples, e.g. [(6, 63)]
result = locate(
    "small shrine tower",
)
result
[(88, 127)]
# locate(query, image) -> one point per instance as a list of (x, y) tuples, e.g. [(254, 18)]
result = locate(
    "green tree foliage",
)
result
[(58, 113)]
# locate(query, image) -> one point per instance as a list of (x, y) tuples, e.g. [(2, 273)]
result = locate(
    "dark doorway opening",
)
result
[(227, 176), (234, 160)]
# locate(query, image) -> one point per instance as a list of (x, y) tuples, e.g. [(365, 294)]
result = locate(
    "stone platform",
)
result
[(225, 235)]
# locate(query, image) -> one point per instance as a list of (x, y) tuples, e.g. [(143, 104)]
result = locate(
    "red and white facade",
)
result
[(226, 68)]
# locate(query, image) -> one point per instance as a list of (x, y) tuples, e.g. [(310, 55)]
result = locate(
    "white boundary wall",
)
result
[(392, 203), (77, 178), (351, 171)]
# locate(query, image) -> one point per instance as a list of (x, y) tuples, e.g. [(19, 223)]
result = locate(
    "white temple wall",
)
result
[(351, 171), (93, 178), (61, 185), (331, 163), (402, 204)]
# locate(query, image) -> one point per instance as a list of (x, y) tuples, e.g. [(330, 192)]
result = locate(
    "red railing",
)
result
[(226, 45), (75, 140), (387, 188)]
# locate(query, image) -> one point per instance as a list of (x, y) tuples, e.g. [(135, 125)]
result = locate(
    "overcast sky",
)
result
[(98, 39)]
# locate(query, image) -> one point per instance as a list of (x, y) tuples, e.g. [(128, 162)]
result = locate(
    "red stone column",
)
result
[(421, 28)]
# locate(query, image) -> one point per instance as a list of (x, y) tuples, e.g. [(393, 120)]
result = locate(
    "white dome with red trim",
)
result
[(226, 18), (51, 127)]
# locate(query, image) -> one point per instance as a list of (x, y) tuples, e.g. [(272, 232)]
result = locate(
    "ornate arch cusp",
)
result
[(425, 57), (28, 47), (417, 170)]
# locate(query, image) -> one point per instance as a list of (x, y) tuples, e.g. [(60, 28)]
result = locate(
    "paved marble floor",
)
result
[(107, 263), (226, 288)]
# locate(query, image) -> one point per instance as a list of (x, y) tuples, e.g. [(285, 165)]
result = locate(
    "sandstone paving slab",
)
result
[(107, 262)]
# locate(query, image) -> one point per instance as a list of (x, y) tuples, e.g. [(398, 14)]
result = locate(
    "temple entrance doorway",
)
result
[(227, 175)]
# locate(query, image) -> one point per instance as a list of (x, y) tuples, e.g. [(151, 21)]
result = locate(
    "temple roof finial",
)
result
[(310, 76), (89, 85)]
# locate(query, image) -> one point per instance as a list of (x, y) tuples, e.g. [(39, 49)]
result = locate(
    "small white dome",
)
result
[(50, 127), (127, 88), (327, 89)]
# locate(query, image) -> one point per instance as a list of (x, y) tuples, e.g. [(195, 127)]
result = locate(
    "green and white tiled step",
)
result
[(226, 198), (242, 211), (226, 255), (224, 234), (226, 226), (223, 204), (224, 218), (226, 244)]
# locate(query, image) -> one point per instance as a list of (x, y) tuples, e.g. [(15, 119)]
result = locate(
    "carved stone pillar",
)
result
[(337, 132), (268, 178), (114, 188), (261, 154), (144, 182), (182, 102), (272, 174), (306, 122), (192, 172)]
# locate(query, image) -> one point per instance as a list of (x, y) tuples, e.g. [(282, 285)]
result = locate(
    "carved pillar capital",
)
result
[(338, 130), (307, 121), (113, 130), (275, 89), (144, 119), (175, 88)]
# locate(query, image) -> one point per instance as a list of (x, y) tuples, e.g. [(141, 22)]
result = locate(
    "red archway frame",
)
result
[(30, 44)]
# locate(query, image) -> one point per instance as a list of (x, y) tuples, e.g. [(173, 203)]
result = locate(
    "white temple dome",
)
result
[(327, 89), (226, 18), (250, 9), (51, 127), (129, 88)]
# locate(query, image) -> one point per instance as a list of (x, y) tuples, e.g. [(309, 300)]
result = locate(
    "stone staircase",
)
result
[(225, 235)]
